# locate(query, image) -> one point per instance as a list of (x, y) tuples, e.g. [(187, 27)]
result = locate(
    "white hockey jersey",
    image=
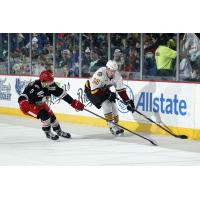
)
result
[(100, 80)]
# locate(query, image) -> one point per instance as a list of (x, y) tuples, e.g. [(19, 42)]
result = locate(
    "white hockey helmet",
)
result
[(111, 64)]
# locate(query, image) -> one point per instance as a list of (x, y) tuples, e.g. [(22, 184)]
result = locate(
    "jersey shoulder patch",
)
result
[(99, 74), (52, 88)]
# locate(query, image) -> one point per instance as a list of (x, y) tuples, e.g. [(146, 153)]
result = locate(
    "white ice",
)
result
[(23, 143)]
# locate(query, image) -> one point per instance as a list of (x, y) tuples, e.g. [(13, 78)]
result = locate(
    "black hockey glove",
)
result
[(112, 97), (130, 106)]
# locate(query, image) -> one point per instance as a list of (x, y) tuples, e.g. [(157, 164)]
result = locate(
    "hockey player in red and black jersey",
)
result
[(33, 102), (98, 92)]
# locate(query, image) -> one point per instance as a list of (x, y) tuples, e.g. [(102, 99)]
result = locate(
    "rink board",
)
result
[(177, 105)]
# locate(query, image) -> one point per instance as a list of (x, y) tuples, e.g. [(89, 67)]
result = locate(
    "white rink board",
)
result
[(176, 104)]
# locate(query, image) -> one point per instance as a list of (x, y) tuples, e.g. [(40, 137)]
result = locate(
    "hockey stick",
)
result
[(178, 136), (121, 127)]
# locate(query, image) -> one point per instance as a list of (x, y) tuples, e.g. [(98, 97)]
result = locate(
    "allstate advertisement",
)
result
[(175, 104), (170, 103)]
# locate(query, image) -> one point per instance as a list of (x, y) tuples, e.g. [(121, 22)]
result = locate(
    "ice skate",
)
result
[(116, 131), (51, 136), (63, 134)]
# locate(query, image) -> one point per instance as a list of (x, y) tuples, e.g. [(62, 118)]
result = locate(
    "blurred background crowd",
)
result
[(147, 56)]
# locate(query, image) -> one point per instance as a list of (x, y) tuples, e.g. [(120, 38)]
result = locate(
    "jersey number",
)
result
[(96, 81)]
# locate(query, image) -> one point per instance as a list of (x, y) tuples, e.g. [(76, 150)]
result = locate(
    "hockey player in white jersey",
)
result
[(98, 92)]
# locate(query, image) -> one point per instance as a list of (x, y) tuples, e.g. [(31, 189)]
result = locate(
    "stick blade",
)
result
[(183, 136), (152, 142)]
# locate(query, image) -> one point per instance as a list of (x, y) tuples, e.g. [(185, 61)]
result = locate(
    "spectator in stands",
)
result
[(86, 42), (118, 57), (65, 63), (3, 47), (149, 57), (191, 48), (59, 52), (74, 69), (42, 40), (185, 69), (165, 55), (16, 69), (116, 40), (96, 60), (86, 63), (129, 66), (48, 51), (20, 40)]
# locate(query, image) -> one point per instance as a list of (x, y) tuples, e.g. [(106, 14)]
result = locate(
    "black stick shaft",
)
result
[(155, 123), (121, 126)]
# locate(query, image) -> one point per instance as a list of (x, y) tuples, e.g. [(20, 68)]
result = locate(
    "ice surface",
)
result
[(23, 143)]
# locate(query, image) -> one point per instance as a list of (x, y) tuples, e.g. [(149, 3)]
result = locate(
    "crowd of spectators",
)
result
[(93, 55), (124, 49), (190, 57)]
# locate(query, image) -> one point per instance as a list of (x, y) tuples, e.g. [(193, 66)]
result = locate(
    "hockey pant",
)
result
[(95, 100), (46, 115), (110, 111)]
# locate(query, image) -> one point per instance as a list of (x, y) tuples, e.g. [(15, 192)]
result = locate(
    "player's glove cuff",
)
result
[(130, 105)]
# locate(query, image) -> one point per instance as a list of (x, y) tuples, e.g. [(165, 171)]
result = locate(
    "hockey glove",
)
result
[(112, 97), (77, 105), (24, 106), (130, 105)]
